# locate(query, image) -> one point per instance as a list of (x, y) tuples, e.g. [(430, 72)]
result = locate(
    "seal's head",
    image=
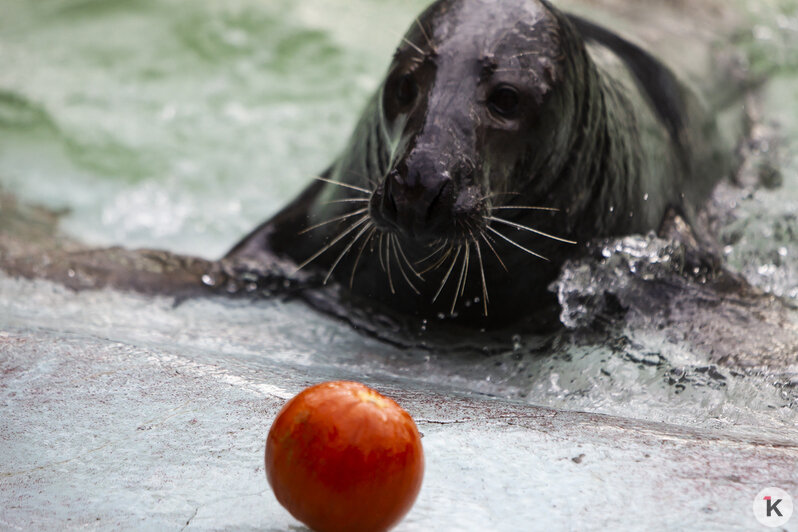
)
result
[(477, 107), (461, 155)]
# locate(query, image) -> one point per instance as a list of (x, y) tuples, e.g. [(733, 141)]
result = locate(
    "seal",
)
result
[(503, 139)]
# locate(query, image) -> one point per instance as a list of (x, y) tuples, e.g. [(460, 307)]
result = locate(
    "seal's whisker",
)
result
[(465, 266), (482, 274), (448, 272), (379, 251), (527, 207), (522, 54), (347, 200), (401, 268), (516, 244), (461, 282), (340, 184), (431, 255), (439, 262), (346, 250), (360, 252), (426, 35), (360, 221), (388, 264), (526, 228), (331, 220), (487, 241), (414, 46), (404, 257)]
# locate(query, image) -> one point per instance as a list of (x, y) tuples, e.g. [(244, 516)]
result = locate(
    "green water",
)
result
[(181, 124)]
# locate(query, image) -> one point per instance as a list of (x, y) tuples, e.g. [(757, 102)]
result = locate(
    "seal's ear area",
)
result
[(655, 79)]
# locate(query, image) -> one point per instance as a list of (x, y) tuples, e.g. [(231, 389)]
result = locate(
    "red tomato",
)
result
[(340, 456)]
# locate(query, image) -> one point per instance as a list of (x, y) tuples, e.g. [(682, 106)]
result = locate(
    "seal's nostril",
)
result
[(439, 205), (389, 207)]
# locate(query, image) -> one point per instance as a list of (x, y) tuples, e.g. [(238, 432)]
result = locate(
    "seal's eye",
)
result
[(503, 101), (406, 90)]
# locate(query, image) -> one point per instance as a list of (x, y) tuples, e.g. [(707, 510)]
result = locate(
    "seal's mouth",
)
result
[(422, 217), (440, 237)]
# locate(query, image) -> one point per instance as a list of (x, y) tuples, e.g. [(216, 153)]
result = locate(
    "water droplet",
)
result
[(766, 269), (517, 342)]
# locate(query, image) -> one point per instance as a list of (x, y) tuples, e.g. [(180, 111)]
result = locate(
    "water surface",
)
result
[(180, 125)]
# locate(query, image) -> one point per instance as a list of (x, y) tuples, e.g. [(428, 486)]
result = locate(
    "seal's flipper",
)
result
[(266, 238)]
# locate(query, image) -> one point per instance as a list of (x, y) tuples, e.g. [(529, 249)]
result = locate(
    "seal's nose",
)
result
[(417, 202)]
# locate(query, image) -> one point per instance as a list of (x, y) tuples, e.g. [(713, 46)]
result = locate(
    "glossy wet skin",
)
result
[(464, 111), (494, 148), (473, 122)]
